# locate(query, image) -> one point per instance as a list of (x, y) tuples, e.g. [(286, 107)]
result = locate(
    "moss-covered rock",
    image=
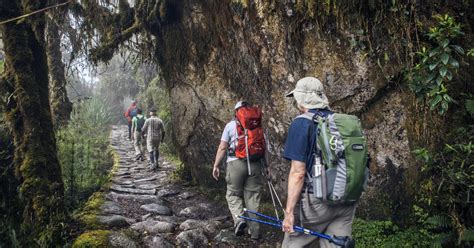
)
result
[(87, 216), (96, 239)]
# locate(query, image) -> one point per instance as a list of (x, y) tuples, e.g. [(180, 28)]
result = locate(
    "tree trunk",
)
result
[(61, 107), (28, 115)]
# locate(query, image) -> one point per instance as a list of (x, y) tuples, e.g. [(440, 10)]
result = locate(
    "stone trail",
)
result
[(160, 213)]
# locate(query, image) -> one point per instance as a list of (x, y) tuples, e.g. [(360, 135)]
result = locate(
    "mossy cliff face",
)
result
[(215, 53)]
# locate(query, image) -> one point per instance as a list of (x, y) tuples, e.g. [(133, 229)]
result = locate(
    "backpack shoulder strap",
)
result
[(307, 115)]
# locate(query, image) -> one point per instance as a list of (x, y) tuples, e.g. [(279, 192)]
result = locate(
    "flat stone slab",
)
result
[(186, 195), (153, 227), (167, 192), (191, 224), (110, 207), (145, 179), (195, 212), (210, 227), (114, 221), (121, 180), (122, 173), (147, 186), (192, 238), (157, 241), (124, 185), (144, 199), (120, 240), (156, 209), (133, 191), (167, 218)]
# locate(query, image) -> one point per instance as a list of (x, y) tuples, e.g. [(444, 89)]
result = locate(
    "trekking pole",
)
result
[(269, 181), (345, 241), (273, 194)]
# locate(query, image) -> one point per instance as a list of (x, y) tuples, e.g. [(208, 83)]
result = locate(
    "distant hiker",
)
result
[(328, 156), (155, 133), (242, 138), (137, 125), (129, 114)]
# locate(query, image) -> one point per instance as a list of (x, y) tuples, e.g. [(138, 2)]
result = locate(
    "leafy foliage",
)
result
[(83, 150), (447, 186), (437, 65), (387, 234)]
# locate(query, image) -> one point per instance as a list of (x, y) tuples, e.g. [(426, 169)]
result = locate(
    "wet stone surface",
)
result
[(156, 209), (153, 227), (144, 208)]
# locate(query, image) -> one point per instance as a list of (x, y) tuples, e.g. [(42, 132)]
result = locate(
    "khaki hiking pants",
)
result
[(244, 190), (319, 217), (138, 143)]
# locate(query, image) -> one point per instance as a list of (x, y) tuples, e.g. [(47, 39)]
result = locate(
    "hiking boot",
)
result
[(239, 228)]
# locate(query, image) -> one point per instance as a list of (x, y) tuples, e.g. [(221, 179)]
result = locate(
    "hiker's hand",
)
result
[(288, 223), (215, 173)]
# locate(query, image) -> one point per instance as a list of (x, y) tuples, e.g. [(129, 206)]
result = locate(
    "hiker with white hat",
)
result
[(306, 206), (245, 148)]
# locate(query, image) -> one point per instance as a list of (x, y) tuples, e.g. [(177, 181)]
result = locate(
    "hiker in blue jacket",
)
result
[(302, 208)]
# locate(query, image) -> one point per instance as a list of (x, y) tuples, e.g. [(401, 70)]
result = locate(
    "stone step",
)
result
[(133, 191), (145, 179), (144, 199)]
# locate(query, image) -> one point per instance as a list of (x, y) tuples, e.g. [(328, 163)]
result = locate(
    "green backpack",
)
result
[(340, 172), (140, 123)]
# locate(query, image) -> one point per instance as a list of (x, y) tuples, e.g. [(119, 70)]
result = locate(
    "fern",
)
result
[(439, 221), (467, 235)]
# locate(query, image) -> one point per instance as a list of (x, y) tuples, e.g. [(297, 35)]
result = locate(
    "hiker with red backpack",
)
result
[(129, 114), (244, 143), (137, 125), (328, 154)]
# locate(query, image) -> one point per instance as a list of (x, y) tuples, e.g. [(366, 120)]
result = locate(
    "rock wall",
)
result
[(215, 53)]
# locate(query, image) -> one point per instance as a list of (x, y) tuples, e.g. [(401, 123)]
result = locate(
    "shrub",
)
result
[(83, 150)]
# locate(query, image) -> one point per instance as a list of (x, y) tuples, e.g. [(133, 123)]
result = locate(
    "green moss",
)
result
[(88, 214), (97, 238)]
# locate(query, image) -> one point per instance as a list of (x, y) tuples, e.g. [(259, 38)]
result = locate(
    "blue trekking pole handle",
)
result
[(278, 224), (260, 221), (261, 215), (340, 241), (296, 228)]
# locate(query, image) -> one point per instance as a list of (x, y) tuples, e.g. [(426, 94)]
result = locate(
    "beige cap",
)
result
[(309, 93)]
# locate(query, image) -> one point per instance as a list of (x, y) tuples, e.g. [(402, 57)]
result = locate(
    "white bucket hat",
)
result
[(240, 104), (309, 93)]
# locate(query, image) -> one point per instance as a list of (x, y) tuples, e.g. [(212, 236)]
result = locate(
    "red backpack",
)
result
[(250, 141)]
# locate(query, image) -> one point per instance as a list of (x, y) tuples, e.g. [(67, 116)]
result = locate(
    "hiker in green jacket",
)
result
[(137, 124)]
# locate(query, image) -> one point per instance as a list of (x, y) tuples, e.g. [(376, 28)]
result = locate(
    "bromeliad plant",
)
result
[(437, 65)]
